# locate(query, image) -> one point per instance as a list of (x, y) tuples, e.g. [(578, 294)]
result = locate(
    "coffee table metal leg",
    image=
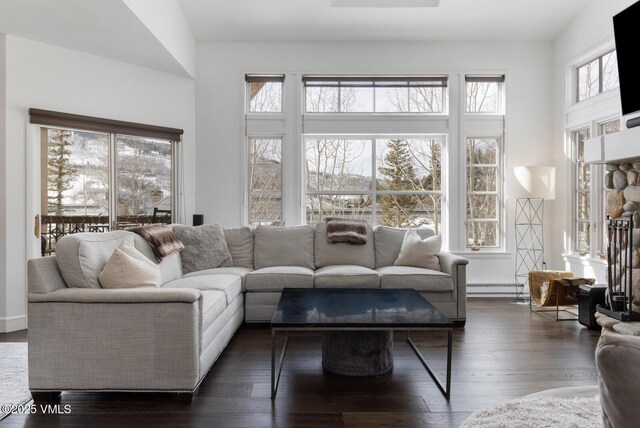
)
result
[(446, 390), (275, 379)]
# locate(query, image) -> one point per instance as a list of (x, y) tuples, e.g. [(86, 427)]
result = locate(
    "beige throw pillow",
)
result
[(419, 252), (129, 268)]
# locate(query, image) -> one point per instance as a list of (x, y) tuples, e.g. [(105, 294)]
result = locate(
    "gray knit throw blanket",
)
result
[(344, 230)]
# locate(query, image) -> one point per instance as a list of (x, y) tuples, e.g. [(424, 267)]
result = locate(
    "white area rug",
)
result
[(539, 412), (14, 379)]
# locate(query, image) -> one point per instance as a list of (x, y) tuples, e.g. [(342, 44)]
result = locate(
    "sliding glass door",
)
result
[(96, 182)]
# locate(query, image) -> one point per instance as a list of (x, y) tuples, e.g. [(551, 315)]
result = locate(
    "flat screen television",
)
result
[(626, 26)]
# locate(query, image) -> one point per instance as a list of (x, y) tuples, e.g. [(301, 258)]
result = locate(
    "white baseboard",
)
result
[(493, 290), (9, 324)]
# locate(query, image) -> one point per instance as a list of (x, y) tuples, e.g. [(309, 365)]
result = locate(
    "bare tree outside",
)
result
[(265, 181), (482, 192), (588, 80), (482, 97), (583, 203), (418, 97), (610, 77), (265, 97)]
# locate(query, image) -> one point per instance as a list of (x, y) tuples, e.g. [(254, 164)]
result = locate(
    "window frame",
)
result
[(373, 191), (501, 102), (499, 192), (601, 224), (251, 193), (75, 122), (266, 78), (112, 169), (585, 63), (376, 82), (454, 123), (577, 191)]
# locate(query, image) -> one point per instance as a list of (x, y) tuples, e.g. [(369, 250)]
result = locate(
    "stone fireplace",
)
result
[(623, 181), (620, 154)]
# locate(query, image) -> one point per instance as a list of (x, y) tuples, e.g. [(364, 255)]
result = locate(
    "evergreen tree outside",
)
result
[(61, 172), (398, 173)]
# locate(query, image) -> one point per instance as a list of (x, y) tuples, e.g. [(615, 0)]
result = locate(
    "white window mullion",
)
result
[(113, 183)]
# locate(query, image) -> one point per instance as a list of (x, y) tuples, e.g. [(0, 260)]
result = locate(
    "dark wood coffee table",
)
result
[(357, 310)]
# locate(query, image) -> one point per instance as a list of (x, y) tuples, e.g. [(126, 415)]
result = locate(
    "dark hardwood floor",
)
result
[(504, 352)]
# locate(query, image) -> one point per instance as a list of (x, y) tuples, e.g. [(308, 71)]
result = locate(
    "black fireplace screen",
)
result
[(619, 271)]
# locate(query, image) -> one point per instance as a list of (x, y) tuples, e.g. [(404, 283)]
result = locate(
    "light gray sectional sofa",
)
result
[(166, 339)]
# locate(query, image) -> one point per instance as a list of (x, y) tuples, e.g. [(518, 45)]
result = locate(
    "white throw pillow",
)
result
[(129, 268), (419, 252)]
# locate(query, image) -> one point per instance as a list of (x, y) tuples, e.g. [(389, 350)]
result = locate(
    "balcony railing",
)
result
[(54, 227)]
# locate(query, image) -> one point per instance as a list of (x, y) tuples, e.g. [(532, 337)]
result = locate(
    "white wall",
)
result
[(219, 108), (52, 78), (592, 28), (164, 18), (3, 166)]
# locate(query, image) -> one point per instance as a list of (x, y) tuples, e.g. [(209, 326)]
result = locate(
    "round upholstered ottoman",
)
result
[(357, 353)]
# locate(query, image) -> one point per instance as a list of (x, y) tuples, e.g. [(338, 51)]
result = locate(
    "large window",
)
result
[(483, 191), (389, 181), (582, 200), (144, 177), (76, 170), (375, 95), (378, 148), (265, 181), (484, 108), (264, 93), (99, 174), (484, 94), (79, 183), (597, 76)]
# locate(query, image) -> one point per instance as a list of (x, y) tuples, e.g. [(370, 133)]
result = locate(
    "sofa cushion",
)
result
[(328, 254), (346, 276), (280, 246), (276, 278), (240, 271), (214, 303), (129, 268), (240, 244), (412, 277), (205, 247), (388, 242), (419, 252), (170, 266), (231, 285), (81, 256)]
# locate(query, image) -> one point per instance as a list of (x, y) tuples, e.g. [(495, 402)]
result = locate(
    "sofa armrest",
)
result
[(456, 266), (124, 340), (449, 262), (123, 295)]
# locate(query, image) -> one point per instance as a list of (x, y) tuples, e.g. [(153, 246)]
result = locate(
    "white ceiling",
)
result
[(316, 21), (106, 28), (111, 29)]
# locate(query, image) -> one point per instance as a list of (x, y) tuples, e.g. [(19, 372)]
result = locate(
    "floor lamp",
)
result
[(534, 184)]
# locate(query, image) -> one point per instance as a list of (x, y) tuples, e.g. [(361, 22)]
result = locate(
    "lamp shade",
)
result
[(534, 182)]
